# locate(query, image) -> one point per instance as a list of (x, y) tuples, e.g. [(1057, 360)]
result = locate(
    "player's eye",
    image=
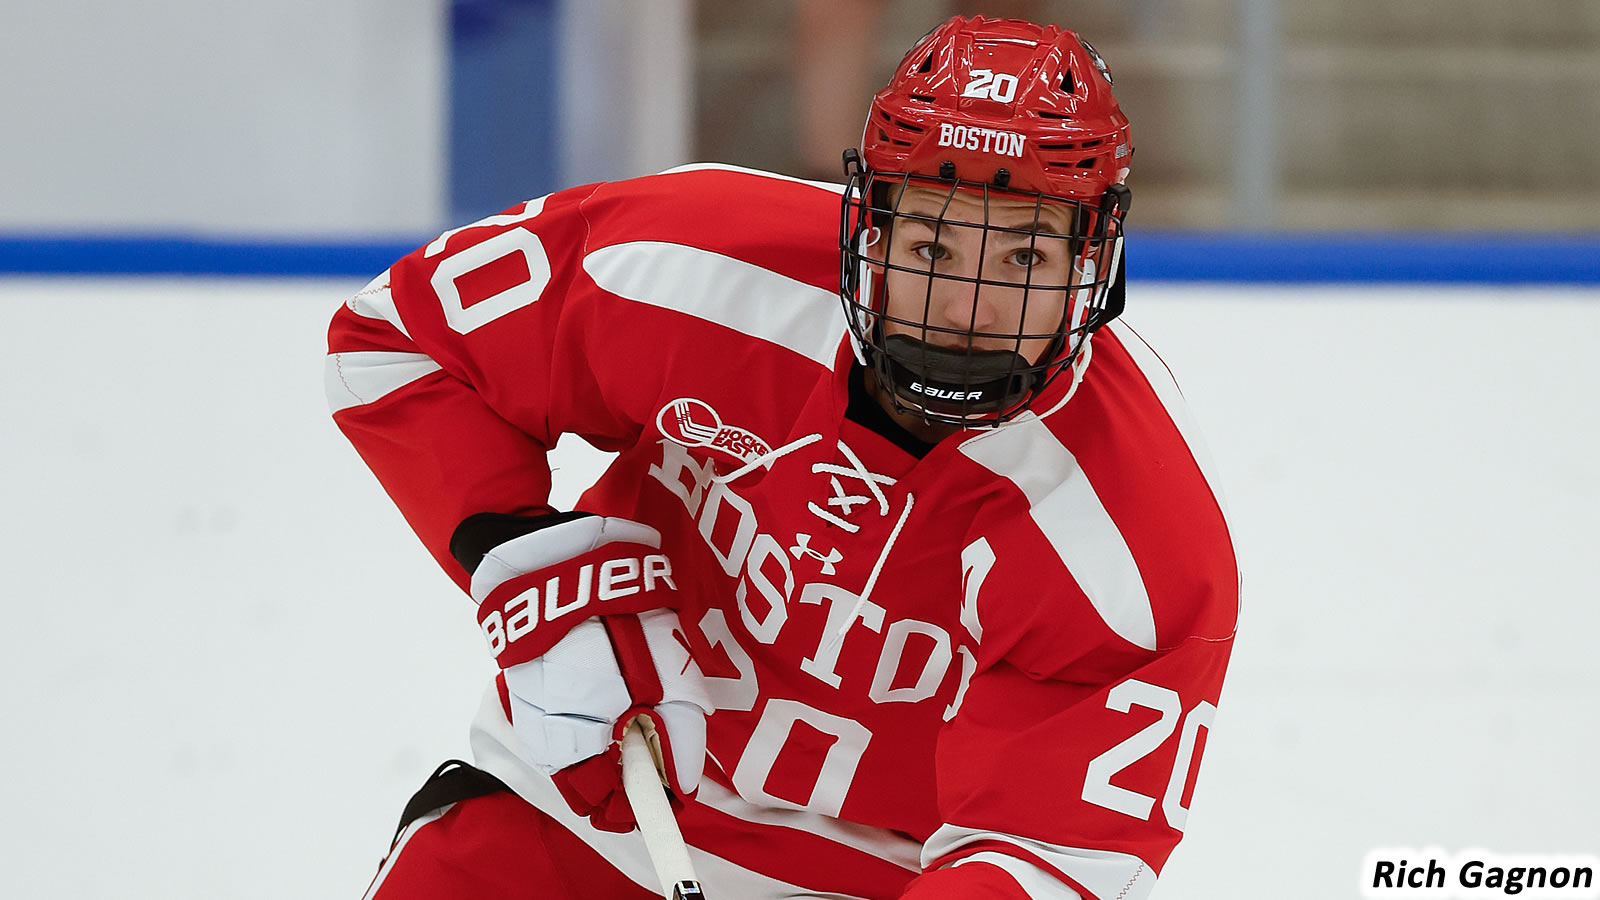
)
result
[(931, 252), (1027, 258)]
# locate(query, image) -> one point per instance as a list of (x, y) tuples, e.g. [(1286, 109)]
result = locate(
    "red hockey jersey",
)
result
[(1007, 652)]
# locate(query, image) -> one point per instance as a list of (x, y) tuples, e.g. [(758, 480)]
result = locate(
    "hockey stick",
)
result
[(662, 839)]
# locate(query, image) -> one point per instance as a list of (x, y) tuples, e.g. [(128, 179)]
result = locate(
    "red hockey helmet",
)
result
[(995, 113)]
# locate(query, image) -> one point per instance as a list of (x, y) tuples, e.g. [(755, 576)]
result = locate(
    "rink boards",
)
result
[(223, 646)]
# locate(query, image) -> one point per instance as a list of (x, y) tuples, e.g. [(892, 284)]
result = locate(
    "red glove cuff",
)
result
[(593, 788)]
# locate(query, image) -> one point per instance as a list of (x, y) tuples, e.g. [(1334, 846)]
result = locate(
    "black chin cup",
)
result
[(962, 383)]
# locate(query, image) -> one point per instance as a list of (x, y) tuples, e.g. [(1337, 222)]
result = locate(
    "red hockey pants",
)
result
[(496, 847)]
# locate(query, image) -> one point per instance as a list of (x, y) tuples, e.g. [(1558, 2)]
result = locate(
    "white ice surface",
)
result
[(226, 662)]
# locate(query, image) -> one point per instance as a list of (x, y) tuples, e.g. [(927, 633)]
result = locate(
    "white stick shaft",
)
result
[(654, 814)]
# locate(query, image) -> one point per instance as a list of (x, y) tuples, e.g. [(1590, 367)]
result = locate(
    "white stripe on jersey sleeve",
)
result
[(1065, 507), (730, 292), (1104, 873), (1166, 388), (724, 167), (359, 378), (376, 302), (1037, 883)]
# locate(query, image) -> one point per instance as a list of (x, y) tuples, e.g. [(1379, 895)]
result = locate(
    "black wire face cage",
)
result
[(954, 373)]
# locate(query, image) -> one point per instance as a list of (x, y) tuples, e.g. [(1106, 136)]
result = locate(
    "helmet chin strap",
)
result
[(1080, 364), (1085, 348), (869, 238), (1083, 298)]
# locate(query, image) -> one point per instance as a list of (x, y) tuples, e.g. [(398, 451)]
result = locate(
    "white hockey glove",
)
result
[(573, 614)]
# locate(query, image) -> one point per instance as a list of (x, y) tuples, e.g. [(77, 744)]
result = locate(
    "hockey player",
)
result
[(929, 600)]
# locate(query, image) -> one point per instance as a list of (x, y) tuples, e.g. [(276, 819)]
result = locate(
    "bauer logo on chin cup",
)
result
[(939, 393)]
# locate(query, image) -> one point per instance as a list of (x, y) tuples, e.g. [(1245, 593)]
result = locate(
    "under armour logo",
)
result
[(802, 547)]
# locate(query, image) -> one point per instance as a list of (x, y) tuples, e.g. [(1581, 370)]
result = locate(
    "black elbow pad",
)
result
[(478, 534)]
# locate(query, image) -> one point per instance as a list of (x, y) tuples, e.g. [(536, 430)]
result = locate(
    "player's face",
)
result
[(1023, 273)]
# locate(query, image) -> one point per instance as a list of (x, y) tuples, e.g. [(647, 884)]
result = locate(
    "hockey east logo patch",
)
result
[(693, 423)]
